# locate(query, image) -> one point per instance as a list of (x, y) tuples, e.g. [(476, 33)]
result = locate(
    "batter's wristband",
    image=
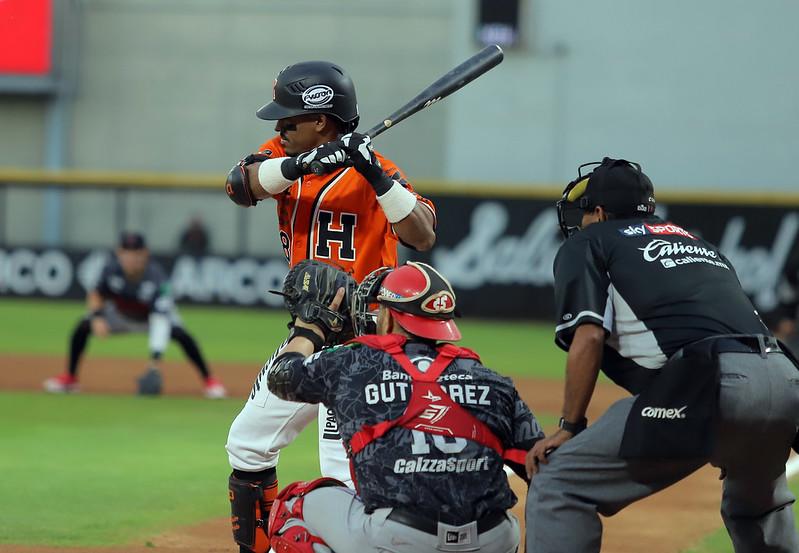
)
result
[(290, 170), (397, 202), (381, 182), (96, 313)]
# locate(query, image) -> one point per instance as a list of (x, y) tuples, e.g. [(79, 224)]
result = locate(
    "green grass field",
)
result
[(238, 335), (90, 470)]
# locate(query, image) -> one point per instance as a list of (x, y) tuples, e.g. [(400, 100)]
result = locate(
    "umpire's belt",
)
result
[(735, 343), (430, 525)]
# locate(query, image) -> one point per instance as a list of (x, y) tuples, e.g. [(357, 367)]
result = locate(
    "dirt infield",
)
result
[(666, 523)]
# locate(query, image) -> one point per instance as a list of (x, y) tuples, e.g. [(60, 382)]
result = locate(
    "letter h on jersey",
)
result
[(344, 235)]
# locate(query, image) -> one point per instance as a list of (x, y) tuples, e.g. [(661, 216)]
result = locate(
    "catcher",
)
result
[(426, 425), (132, 295), (354, 216)]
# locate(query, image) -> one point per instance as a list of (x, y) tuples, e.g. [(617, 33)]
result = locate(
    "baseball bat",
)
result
[(455, 79)]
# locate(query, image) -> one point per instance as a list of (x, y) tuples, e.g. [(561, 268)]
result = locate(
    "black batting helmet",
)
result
[(313, 87), (617, 185)]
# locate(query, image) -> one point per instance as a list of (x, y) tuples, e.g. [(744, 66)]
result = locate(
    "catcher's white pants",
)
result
[(267, 424), (339, 517)]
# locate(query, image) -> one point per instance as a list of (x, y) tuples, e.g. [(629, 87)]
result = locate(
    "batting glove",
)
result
[(325, 159), (360, 150)]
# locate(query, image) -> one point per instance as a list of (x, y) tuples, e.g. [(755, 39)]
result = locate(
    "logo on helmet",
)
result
[(442, 302), (388, 294), (317, 96)]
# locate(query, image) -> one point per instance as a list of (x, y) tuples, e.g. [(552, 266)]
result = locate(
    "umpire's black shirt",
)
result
[(654, 287)]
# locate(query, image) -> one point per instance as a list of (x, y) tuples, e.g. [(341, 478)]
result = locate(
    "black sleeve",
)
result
[(286, 376), (308, 379), (581, 286), (101, 287), (525, 432)]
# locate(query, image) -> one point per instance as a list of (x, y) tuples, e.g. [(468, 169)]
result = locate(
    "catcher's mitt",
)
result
[(308, 289)]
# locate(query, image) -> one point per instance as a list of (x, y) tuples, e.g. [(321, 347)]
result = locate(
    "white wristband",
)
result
[(271, 177), (397, 203)]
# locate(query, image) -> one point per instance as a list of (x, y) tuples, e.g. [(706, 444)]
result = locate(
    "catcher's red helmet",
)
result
[(421, 300)]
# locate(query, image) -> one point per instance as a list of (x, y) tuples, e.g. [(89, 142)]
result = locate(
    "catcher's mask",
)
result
[(618, 185), (313, 87), (419, 298)]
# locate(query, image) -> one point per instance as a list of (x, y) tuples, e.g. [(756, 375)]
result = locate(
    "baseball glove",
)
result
[(308, 289), (150, 382)]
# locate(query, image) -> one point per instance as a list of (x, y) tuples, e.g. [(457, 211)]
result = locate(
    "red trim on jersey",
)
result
[(430, 408)]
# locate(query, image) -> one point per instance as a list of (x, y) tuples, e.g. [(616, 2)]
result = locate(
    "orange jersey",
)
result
[(336, 218)]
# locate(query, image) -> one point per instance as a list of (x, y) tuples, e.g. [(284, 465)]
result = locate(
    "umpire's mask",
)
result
[(618, 185)]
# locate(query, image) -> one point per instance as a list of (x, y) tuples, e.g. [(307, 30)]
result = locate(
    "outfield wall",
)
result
[(496, 246)]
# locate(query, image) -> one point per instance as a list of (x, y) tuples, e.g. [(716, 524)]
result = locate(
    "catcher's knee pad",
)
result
[(250, 504), (288, 505)]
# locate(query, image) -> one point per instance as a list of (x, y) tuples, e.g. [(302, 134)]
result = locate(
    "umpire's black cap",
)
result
[(130, 240), (618, 185)]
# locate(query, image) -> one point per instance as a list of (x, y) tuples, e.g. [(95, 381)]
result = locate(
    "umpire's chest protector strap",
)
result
[(673, 416)]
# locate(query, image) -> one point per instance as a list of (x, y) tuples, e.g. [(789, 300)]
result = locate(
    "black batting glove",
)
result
[(361, 152), (329, 156)]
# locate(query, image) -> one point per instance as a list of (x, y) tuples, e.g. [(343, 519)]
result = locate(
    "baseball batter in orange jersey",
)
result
[(351, 210), (337, 217)]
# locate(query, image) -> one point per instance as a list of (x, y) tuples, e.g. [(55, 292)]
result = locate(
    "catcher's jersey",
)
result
[(135, 299), (458, 478), (336, 218), (655, 288)]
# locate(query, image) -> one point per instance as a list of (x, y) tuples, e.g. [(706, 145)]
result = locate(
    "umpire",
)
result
[(426, 425), (661, 312)]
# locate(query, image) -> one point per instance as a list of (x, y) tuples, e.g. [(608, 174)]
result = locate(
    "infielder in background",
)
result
[(661, 312), (428, 428), (132, 295), (353, 216)]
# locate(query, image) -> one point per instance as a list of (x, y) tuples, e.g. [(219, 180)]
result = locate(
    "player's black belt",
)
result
[(733, 343), (757, 343), (430, 525)]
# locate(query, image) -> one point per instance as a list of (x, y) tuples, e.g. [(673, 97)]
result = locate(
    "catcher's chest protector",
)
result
[(430, 408)]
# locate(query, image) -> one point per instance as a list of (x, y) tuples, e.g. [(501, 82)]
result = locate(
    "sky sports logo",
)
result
[(666, 228)]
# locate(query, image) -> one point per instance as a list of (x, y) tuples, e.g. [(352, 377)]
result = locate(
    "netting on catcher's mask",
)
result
[(364, 302)]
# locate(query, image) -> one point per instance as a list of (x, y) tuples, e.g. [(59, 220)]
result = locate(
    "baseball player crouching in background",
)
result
[(426, 425), (132, 295)]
